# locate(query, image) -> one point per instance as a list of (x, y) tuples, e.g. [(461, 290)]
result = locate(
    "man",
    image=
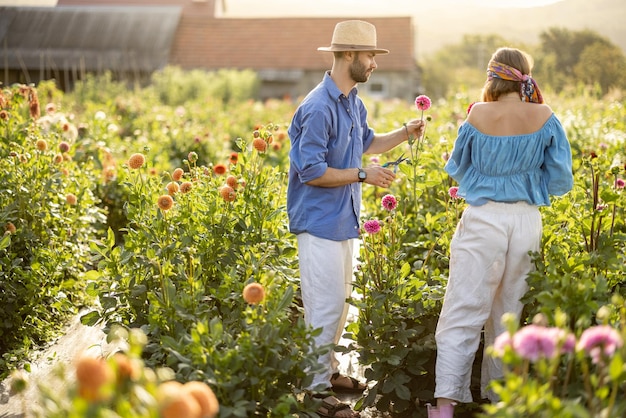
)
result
[(329, 134)]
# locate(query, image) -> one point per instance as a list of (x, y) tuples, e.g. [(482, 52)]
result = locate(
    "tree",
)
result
[(560, 53), (602, 64), (460, 64)]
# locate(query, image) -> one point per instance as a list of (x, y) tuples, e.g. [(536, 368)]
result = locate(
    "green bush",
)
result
[(50, 216)]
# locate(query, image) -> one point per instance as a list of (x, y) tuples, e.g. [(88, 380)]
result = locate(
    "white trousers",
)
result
[(489, 263), (326, 274)]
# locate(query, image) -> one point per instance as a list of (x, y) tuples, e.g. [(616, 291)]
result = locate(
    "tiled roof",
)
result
[(282, 43)]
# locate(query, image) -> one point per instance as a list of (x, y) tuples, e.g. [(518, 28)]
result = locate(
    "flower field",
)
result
[(166, 216)]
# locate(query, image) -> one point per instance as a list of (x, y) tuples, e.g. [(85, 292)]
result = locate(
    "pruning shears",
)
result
[(395, 163)]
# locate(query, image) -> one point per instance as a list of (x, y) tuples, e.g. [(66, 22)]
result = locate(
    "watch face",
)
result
[(362, 175)]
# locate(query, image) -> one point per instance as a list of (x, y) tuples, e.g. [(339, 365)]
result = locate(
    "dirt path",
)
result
[(77, 339), (80, 339)]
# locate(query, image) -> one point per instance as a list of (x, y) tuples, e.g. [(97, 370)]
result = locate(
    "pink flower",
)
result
[(422, 102), (599, 340), (501, 342), (534, 342), (569, 343), (389, 202), (372, 226), (453, 192), (619, 183), (565, 340)]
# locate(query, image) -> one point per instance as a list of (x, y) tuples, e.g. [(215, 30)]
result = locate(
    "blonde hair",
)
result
[(496, 87)]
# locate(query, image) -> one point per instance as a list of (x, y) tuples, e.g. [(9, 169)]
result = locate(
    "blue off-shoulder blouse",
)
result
[(527, 168)]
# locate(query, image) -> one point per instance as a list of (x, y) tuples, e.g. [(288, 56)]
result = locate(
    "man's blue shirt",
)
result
[(327, 130)]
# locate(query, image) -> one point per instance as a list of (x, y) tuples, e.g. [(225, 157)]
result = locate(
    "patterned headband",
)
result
[(529, 90)]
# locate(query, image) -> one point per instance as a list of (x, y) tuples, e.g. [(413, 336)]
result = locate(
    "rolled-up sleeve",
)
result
[(310, 159)]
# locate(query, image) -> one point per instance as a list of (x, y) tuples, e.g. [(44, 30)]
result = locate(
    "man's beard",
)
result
[(358, 72)]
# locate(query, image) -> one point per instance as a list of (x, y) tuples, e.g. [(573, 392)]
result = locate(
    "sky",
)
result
[(264, 8)]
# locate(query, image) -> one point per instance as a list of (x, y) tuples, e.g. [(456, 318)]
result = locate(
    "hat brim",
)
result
[(333, 48)]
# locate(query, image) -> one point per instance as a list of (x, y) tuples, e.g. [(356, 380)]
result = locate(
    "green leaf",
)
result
[(110, 238), (92, 275), (90, 319), (405, 270), (5, 241), (286, 299), (616, 368), (403, 392)]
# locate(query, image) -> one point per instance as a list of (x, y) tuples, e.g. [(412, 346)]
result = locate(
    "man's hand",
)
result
[(415, 128), (379, 176)]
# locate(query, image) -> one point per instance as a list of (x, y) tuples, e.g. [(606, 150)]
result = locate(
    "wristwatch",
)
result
[(362, 175)]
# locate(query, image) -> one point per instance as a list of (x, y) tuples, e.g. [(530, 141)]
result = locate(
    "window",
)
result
[(377, 88)]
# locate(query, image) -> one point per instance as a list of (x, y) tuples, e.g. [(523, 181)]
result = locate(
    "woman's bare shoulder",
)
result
[(495, 118)]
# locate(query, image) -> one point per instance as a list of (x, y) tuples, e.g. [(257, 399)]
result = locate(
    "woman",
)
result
[(510, 155)]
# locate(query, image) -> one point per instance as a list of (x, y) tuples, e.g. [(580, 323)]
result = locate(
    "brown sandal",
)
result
[(357, 387), (330, 410)]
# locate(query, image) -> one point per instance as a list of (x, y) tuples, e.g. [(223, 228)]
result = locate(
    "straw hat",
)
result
[(354, 35)]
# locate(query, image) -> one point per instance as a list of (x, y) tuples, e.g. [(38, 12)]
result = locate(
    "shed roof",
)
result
[(88, 37)]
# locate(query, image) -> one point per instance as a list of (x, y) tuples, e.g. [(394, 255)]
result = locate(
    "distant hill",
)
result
[(441, 26)]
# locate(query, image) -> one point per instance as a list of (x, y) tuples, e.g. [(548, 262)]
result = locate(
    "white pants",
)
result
[(489, 263), (326, 274)]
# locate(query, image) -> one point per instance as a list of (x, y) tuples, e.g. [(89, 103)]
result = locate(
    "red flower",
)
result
[(219, 169)]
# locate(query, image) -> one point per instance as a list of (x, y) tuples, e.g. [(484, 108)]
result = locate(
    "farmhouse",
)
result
[(133, 38)]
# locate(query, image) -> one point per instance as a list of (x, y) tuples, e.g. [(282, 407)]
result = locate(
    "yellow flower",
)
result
[(253, 293), (41, 145), (228, 193), (177, 174), (185, 187), (165, 202), (232, 181), (136, 161), (259, 144), (10, 228), (94, 376), (172, 187), (209, 405), (174, 402), (71, 199)]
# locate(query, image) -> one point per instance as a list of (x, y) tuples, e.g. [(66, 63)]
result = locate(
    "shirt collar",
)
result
[(333, 90)]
